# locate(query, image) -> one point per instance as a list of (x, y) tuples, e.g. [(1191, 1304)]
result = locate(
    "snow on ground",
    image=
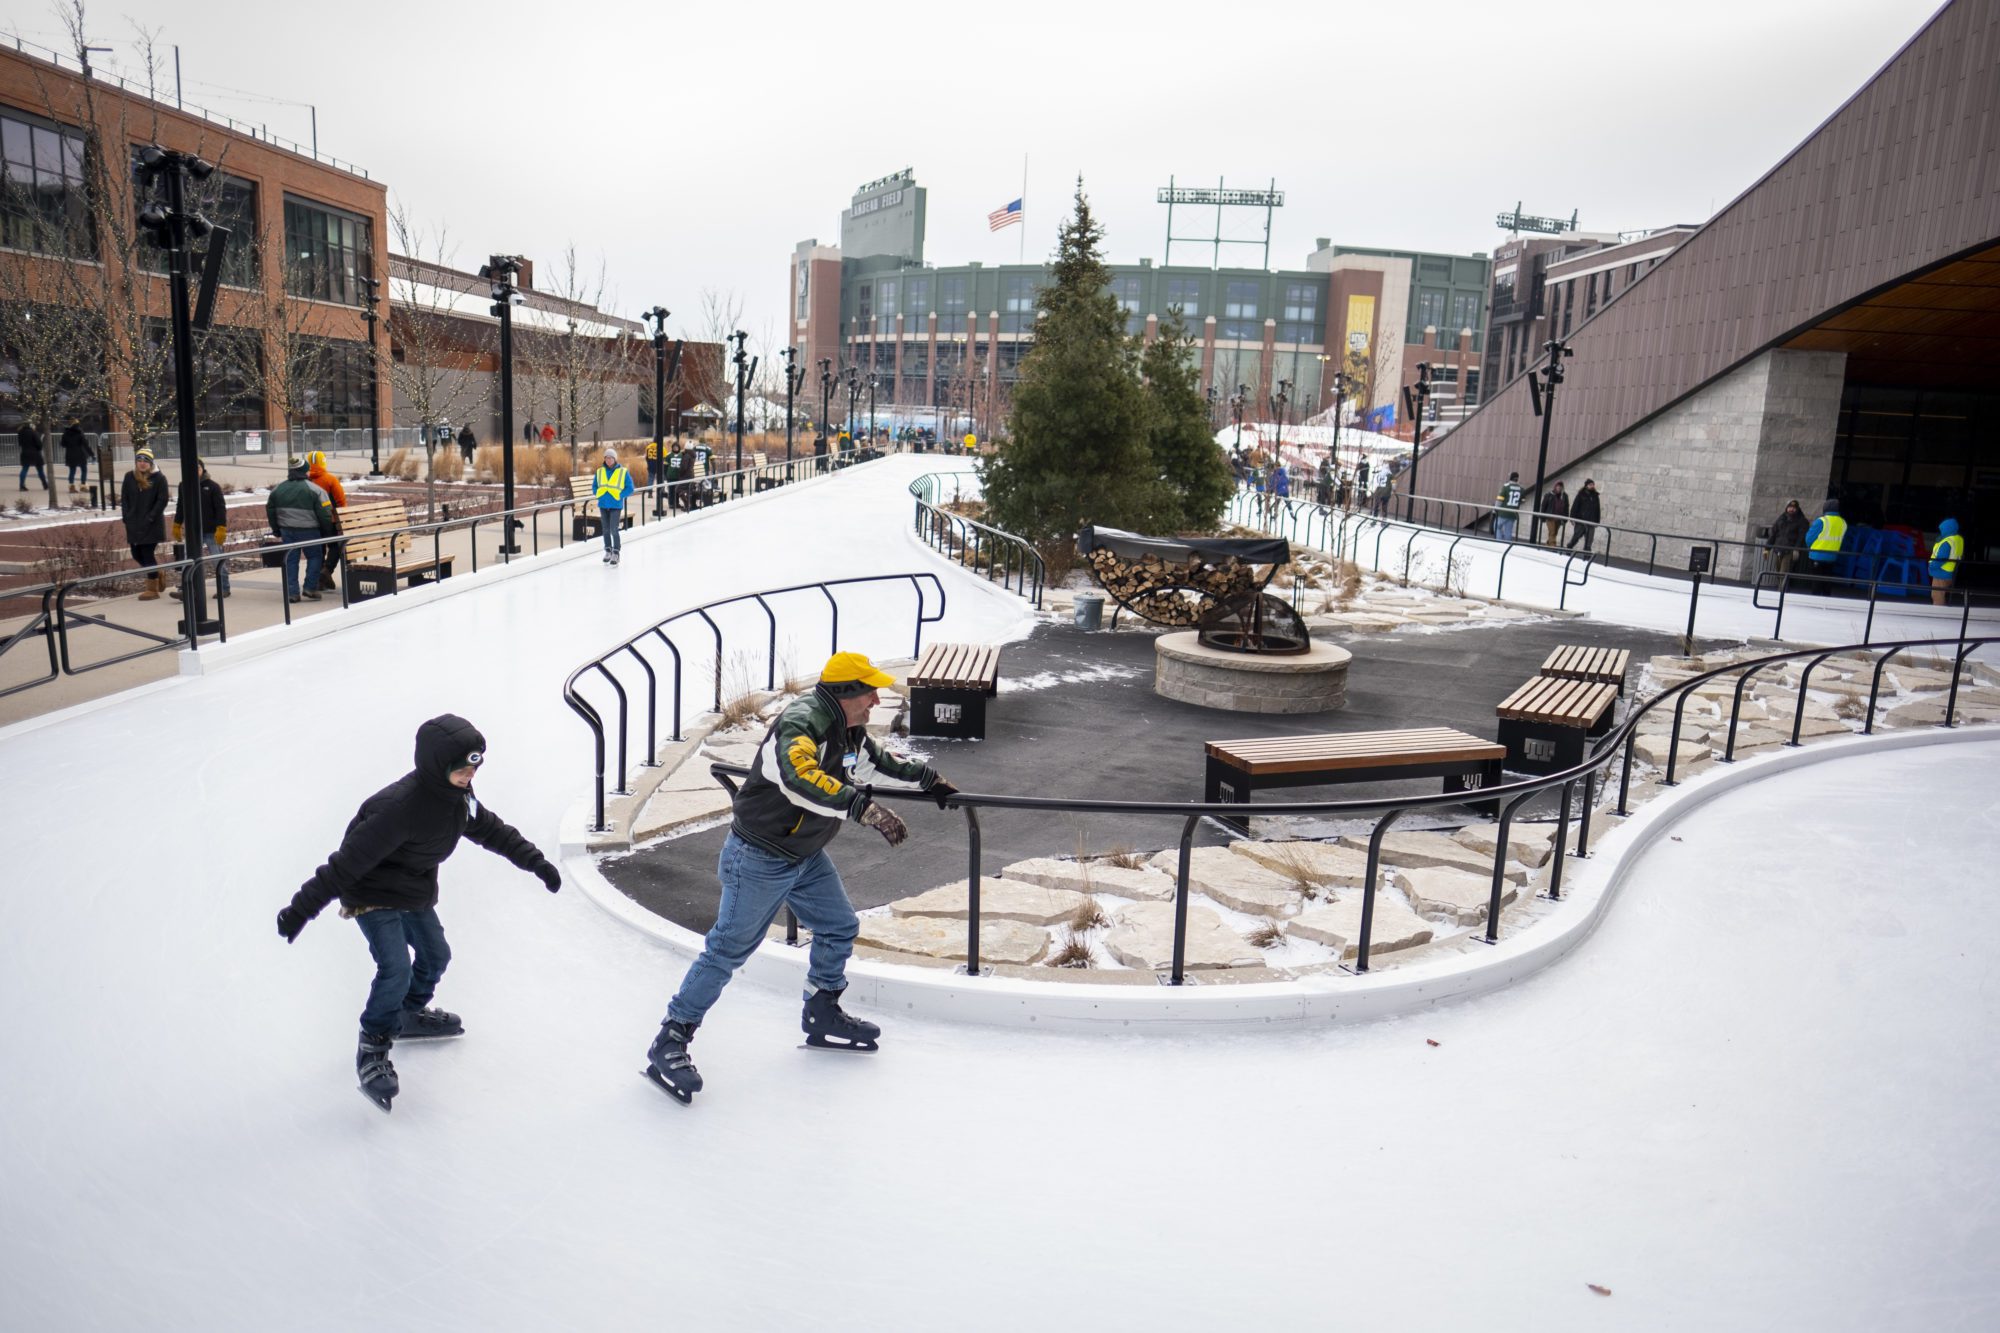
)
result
[(1761, 1096)]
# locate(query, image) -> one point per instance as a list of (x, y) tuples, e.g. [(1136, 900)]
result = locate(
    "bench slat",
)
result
[(961, 666), (1552, 699), (1335, 751)]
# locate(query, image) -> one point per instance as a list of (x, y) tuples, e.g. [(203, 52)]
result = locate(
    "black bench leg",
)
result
[(1223, 784)]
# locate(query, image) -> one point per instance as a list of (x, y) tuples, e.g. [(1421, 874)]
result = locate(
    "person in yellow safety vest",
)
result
[(1945, 555), (1823, 538), (614, 483), (971, 443)]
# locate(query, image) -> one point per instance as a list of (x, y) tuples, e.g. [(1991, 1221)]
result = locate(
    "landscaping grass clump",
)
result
[(1072, 952), (1267, 936), (1346, 587), (1089, 915), (1125, 859), (1293, 864)]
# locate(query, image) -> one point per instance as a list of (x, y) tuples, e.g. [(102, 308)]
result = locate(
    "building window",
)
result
[(1017, 302), (885, 298), (1569, 304), (227, 202), (327, 252), (338, 396), (1239, 312), (916, 360), (229, 376), (1590, 297), (951, 296), (1126, 291), (1301, 313), (1430, 310), (43, 201), (1464, 313), (1471, 386), (1185, 293), (917, 297), (864, 304)]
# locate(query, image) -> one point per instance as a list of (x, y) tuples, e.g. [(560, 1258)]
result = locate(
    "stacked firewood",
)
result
[(1172, 592)]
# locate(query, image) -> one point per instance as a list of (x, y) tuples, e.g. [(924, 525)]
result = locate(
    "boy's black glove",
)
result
[(940, 791), (551, 877), (290, 922)]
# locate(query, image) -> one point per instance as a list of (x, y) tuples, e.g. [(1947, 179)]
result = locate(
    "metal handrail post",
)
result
[(1562, 841), (1179, 973), (972, 891), (1368, 889)]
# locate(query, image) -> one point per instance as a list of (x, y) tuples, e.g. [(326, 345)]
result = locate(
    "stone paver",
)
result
[(1457, 894), (1338, 924), (944, 937), (999, 900), (1092, 877), (1325, 862), (1142, 936), (1235, 881), (1414, 849), (670, 809), (1653, 750), (1530, 844)]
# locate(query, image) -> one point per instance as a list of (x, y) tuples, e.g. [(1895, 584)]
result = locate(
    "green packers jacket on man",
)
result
[(809, 774)]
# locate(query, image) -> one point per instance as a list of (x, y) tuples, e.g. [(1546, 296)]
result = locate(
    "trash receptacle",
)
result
[(1090, 610)]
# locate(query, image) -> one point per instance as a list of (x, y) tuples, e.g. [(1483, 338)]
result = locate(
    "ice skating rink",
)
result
[(1761, 1096)]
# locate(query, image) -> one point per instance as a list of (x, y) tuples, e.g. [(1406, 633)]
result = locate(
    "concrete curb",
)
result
[(1003, 1001)]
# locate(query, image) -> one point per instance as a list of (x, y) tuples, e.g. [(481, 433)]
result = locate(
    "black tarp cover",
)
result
[(1131, 546)]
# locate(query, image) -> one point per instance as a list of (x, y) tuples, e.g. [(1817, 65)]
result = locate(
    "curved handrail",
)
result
[(1617, 744), (920, 583), (947, 533)]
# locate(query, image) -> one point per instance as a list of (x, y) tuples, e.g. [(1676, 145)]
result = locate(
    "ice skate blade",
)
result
[(429, 1036), (379, 1103), (819, 1043), (652, 1076)]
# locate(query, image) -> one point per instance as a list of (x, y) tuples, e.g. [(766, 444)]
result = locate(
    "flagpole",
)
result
[(1024, 209)]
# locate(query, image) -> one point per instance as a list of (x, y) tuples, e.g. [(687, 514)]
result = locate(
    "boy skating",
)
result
[(808, 777), (385, 875)]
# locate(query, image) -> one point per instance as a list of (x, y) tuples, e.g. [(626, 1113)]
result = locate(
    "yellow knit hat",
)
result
[(851, 673)]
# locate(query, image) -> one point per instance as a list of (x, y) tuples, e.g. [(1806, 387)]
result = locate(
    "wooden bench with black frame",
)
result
[(1605, 666), (366, 528), (765, 481), (1545, 723), (1235, 769), (949, 687), (584, 523)]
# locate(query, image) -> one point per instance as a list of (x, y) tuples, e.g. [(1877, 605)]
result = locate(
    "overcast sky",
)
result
[(691, 146)]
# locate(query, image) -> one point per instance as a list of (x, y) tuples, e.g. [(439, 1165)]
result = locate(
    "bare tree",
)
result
[(298, 351), (432, 349), (590, 374)]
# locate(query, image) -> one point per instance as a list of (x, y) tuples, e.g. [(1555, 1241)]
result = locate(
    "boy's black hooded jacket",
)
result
[(390, 854)]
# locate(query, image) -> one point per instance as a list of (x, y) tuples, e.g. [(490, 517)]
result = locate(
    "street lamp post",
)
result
[(658, 315), (173, 227), (795, 377), (746, 366), (871, 410), (501, 270), (1211, 396), (853, 396), (1278, 401), (1542, 394), (1415, 397), (1236, 401), (371, 293), (825, 404)]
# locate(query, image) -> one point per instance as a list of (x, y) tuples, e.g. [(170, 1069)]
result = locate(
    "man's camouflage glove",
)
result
[(940, 791), (884, 821)]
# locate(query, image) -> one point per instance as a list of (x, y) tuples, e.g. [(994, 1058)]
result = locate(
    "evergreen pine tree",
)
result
[(1077, 450), (1193, 471)]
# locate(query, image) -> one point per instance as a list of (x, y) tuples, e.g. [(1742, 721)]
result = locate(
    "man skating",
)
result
[(385, 875), (808, 777)]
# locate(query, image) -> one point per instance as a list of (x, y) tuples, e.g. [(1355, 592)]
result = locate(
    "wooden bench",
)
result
[(584, 523), (949, 687), (765, 481), (367, 528), (1574, 662), (1235, 769), (1544, 723)]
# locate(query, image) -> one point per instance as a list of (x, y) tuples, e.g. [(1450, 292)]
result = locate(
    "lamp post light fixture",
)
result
[(746, 366), (174, 227), (501, 270), (826, 379), (1236, 401), (1278, 401), (658, 315), (1542, 394), (853, 396), (371, 292), (795, 378), (871, 409), (1415, 397)]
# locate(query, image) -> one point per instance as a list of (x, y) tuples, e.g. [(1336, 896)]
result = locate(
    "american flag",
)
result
[(1001, 217)]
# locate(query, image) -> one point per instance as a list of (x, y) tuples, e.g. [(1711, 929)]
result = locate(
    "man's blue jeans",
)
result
[(401, 983), (755, 884), (1503, 527), (612, 525), (315, 557)]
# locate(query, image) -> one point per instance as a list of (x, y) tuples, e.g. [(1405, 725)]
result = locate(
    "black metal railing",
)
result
[(600, 666), (1506, 799), (59, 617), (1011, 561)]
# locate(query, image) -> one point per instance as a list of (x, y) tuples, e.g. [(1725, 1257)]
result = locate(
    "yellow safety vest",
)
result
[(1950, 550), (1832, 527), (611, 484)]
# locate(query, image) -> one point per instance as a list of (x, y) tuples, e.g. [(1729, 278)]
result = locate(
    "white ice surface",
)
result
[(1762, 1096)]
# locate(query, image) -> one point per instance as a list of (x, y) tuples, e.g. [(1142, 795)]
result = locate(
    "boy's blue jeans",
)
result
[(401, 981), (612, 525), (755, 885)]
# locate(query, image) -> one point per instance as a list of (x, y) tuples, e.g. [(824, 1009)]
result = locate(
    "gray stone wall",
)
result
[(1723, 462)]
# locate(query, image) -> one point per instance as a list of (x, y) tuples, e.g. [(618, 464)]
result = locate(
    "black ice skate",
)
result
[(667, 1065), (429, 1025), (832, 1028), (377, 1075)]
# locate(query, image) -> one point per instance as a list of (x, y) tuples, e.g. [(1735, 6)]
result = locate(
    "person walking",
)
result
[(1323, 483), (1946, 552), (548, 433), (320, 475), (30, 441), (76, 456), (210, 519), (1788, 537), (1385, 487), (809, 777), (384, 874), (1585, 512), (468, 443), (528, 432), (142, 506), (614, 483), (300, 511), (1824, 537), (1555, 511), (1507, 508)]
